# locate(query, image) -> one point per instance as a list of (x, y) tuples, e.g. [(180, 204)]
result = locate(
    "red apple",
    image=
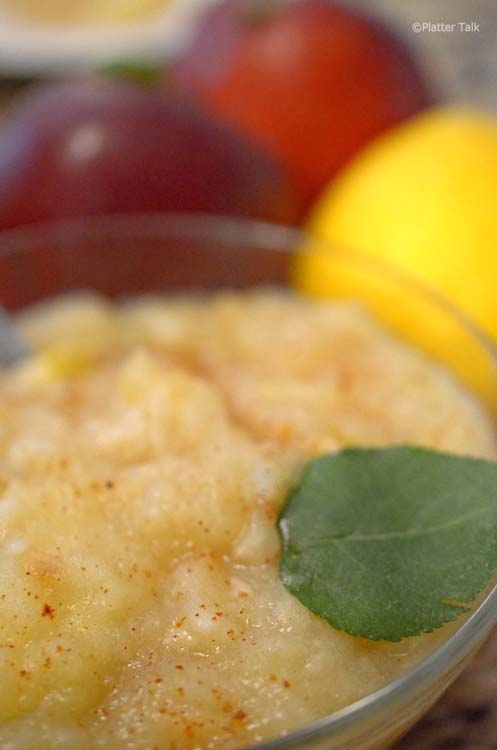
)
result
[(99, 146), (311, 81)]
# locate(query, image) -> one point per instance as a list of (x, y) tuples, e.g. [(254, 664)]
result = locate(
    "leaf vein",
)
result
[(388, 535)]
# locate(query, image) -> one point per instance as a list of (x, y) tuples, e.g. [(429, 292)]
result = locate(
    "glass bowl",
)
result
[(126, 255)]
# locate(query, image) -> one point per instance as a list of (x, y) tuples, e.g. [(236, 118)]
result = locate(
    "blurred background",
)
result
[(464, 65), (299, 90), (371, 124)]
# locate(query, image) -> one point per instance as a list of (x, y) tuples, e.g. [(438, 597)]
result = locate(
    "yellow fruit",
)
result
[(423, 198)]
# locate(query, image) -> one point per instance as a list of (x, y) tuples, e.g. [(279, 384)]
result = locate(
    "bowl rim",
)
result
[(280, 238)]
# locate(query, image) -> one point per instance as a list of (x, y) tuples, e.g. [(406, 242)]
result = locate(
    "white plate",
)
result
[(27, 49)]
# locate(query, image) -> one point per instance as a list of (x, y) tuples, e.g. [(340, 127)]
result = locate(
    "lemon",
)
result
[(423, 199)]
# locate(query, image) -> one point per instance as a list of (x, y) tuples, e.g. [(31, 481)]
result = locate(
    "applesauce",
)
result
[(146, 451)]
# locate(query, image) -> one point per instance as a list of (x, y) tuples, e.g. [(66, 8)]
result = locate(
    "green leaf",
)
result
[(393, 542)]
